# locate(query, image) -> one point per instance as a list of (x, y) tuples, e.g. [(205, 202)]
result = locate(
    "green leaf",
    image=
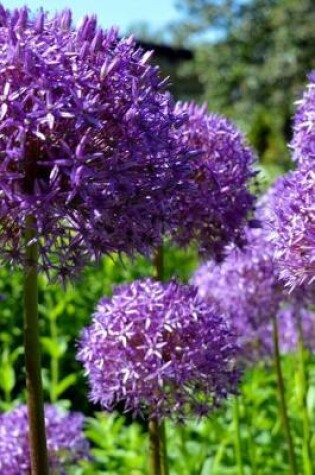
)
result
[(7, 377), (55, 348), (64, 384)]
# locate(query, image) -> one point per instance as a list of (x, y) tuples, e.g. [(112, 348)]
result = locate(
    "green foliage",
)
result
[(118, 448), (119, 445), (208, 446)]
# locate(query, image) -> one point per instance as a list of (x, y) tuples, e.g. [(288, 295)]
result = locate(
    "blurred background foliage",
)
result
[(207, 447), (119, 444)]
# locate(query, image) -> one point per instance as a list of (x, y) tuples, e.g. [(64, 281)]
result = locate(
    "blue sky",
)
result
[(122, 13)]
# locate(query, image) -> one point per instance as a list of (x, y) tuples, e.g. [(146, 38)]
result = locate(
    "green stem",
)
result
[(237, 439), (282, 401), (306, 450), (159, 274), (216, 466), (159, 263), (54, 363), (154, 448), (249, 413), (7, 396), (35, 402), (163, 450)]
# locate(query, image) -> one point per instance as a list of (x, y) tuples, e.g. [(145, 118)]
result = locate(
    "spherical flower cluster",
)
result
[(292, 223), (87, 142), (214, 212), (65, 440), (292, 320), (160, 349), (303, 142), (247, 288)]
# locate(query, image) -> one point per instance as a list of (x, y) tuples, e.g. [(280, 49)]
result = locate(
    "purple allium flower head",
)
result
[(160, 349), (87, 142), (247, 288), (289, 320), (292, 222), (65, 440), (303, 142), (214, 212)]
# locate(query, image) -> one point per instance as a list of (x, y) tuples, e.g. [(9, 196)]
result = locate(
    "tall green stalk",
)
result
[(302, 391), (159, 263), (159, 274), (54, 362), (249, 416), (154, 448), (163, 450), (252, 449), (282, 400), (35, 401), (237, 438)]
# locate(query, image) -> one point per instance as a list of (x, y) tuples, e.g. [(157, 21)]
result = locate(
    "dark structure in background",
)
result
[(174, 62)]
